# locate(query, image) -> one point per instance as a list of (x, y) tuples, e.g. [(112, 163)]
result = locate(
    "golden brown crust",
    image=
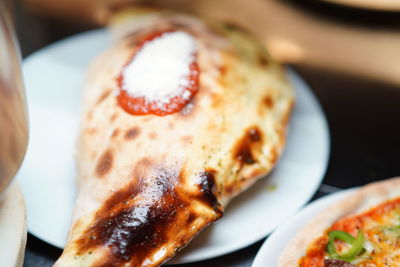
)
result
[(361, 200), (149, 184)]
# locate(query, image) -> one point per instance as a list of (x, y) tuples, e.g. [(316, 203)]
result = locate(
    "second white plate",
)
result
[(268, 255), (54, 77)]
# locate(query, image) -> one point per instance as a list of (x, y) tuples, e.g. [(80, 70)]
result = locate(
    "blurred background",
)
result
[(348, 54)]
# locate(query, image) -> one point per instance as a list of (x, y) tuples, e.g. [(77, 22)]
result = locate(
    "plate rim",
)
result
[(382, 5)]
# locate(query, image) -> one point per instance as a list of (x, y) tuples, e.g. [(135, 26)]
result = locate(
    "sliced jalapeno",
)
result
[(355, 243)]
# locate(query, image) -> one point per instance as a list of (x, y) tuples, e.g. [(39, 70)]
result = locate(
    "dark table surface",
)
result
[(362, 115)]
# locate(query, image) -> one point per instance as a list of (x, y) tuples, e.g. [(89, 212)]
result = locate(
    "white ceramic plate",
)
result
[(385, 5), (54, 77), (269, 252)]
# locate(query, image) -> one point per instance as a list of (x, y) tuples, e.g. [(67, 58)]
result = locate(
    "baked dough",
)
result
[(148, 184)]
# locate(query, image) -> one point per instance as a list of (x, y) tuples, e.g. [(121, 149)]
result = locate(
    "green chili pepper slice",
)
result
[(356, 245), (394, 228)]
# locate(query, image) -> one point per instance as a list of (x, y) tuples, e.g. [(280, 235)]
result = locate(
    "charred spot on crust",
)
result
[(222, 69), (208, 190), (103, 96), (192, 217), (228, 189), (138, 219), (245, 156), (132, 133), (243, 150), (268, 101), (263, 60), (104, 164), (254, 135)]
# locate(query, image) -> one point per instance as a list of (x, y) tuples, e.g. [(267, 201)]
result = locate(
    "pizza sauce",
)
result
[(370, 239), (162, 76)]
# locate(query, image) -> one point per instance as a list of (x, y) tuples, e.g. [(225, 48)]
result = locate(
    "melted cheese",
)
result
[(160, 69)]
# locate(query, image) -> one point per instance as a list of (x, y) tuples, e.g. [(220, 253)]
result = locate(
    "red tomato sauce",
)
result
[(140, 106)]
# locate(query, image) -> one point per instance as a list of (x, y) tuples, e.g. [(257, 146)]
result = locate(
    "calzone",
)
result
[(179, 115)]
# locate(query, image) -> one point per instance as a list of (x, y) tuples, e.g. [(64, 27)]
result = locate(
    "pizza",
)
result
[(361, 230), (179, 116)]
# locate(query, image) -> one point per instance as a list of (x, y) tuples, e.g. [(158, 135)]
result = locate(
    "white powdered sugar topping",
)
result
[(160, 70)]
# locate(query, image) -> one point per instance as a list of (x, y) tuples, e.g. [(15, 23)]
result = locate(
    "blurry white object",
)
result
[(12, 227)]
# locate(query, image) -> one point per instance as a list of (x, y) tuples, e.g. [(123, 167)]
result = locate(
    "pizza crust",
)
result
[(148, 184), (361, 200)]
